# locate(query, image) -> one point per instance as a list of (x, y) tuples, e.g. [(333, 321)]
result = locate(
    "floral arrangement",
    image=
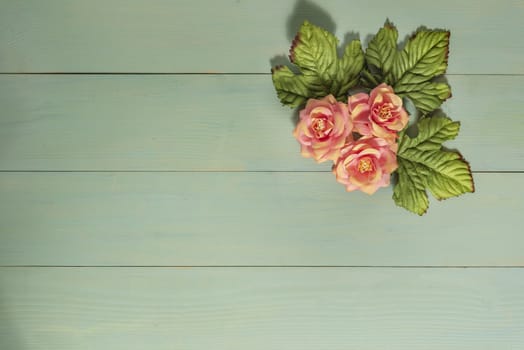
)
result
[(353, 112)]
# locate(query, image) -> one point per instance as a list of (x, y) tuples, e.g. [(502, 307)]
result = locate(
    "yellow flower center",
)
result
[(322, 127), (319, 125), (384, 113), (365, 165)]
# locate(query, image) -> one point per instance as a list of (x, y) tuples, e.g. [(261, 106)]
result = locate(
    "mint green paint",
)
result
[(248, 219), (210, 123), (237, 36), (259, 309), (271, 210)]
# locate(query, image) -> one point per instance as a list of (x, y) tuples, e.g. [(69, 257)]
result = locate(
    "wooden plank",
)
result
[(210, 123), (249, 219), (160, 309), (240, 36)]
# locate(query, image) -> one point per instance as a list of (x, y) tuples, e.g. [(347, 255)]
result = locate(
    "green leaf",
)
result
[(410, 190), (349, 68), (381, 52), (424, 56), (410, 71), (322, 72), (292, 90), (427, 96), (424, 164)]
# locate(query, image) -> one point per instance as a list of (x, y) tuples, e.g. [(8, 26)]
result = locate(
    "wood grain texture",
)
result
[(237, 36), (248, 219), (160, 309), (210, 123), (124, 181)]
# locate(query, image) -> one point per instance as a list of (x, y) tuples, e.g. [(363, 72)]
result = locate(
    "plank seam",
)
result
[(219, 73), (222, 171), (278, 266)]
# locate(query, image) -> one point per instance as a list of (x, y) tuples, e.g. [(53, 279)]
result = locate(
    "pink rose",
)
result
[(380, 113), (323, 128), (365, 164)]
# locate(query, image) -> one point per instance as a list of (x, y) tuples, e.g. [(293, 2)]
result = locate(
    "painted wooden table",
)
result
[(152, 196)]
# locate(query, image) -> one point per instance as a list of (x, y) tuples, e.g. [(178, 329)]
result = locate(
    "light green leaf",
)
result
[(314, 52), (426, 96), (432, 133), (410, 71), (424, 56), (349, 68), (382, 50), (291, 89), (410, 190), (424, 164)]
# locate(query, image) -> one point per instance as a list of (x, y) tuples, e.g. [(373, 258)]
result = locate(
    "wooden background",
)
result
[(152, 196)]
